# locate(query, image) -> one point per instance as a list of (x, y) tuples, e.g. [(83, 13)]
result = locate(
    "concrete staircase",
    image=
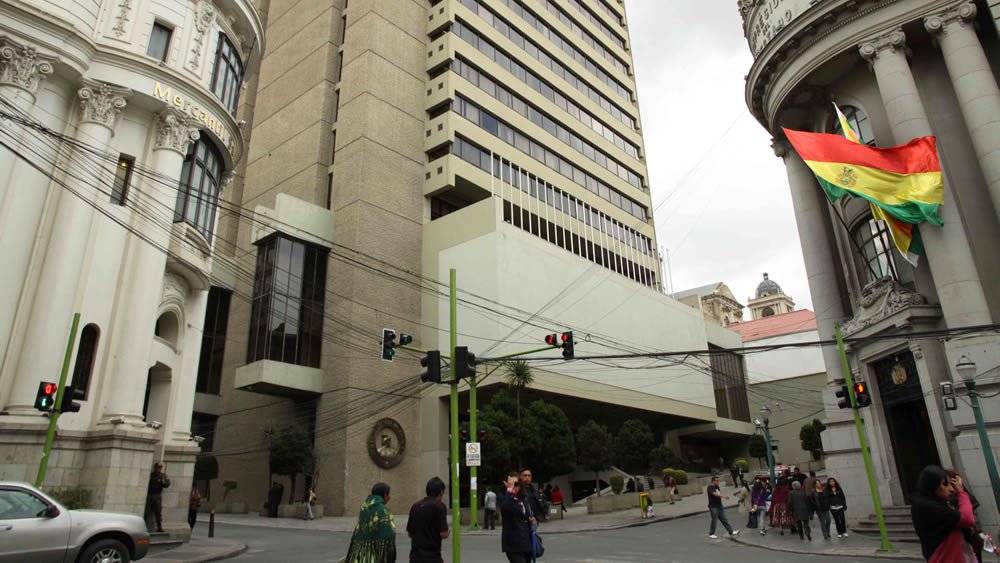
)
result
[(898, 523)]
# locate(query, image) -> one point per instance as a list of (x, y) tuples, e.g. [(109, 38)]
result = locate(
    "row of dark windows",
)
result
[(201, 180), (562, 102), (541, 119), (228, 74), (286, 314), (578, 244), (213, 342), (500, 57), (587, 38), (598, 22), (553, 160), (553, 197), (729, 383), (603, 5), (567, 47)]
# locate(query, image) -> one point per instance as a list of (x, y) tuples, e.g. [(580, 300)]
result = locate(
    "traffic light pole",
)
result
[(886, 545), (54, 415), (473, 471), (456, 509)]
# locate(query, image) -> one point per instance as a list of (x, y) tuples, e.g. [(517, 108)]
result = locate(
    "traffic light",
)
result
[(845, 397), (567, 345), (482, 435), (405, 339), (388, 344), (432, 361), (463, 436), (464, 363), (46, 397), (70, 395), (861, 396), (551, 339)]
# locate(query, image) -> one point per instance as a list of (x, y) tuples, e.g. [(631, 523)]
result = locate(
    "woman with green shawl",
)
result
[(374, 539)]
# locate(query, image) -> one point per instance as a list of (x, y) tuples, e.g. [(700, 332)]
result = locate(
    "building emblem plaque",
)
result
[(387, 443)]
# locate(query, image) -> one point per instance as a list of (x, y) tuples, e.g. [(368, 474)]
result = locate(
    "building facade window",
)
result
[(286, 316), (159, 42), (213, 341), (123, 177), (203, 425), (858, 120), (198, 195), (876, 254), (729, 382), (228, 74), (86, 353)]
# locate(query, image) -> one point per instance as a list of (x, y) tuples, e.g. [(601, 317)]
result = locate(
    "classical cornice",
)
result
[(807, 30)]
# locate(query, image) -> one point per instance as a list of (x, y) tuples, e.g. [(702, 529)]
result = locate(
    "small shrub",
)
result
[(617, 483), (73, 498), (679, 474), (229, 486)]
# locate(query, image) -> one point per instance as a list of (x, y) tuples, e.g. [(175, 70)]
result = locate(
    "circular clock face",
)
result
[(386, 443)]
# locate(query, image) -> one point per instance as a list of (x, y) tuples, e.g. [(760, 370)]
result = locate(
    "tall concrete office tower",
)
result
[(381, 129)]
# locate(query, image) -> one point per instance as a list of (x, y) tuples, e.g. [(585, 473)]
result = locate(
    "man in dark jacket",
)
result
[(798, 502), (532, 496), (516, 523), (158, 481)]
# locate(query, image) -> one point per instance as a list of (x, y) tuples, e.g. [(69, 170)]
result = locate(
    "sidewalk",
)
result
[(576, 519), (198, 551), (855, 545)]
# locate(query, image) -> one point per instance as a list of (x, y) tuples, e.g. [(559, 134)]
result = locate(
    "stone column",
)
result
[(822, 267), (21, 73), (145, 265), (956, 277), (974, 83), (51, 312)]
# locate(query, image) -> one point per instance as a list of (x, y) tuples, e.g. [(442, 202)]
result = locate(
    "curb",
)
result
[(635, 524), (873, 553), (233, 551)]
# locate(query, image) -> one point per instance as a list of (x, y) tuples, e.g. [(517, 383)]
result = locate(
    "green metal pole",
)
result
[(473, 471), (984, 439), (54, 416), (456, 509), (770, 454), (886, 545)]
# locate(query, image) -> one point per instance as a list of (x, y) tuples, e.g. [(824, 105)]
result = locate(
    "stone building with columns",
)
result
[(120, 135), (899, 70)]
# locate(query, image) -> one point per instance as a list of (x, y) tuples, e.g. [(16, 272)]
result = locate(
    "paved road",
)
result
[(679, 541)]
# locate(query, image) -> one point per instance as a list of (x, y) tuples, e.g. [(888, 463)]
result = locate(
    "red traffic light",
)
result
[(51, 388), (550, 339), (859, 388), (565, 336)]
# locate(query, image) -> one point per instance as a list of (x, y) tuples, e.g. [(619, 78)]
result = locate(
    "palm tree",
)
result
[(518, 377)]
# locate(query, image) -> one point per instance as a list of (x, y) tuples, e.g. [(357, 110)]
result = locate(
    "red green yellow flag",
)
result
[(905, 181), (905, 236)]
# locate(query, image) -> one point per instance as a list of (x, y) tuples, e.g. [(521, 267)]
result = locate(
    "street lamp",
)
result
[(765, 417), (966, 369)]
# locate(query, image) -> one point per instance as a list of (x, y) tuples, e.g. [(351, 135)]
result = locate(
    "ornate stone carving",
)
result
[(745, 7), (204, 16), (124, 9), (175, 288), (22, 67), (781, 147), (894, 40), (227, 180), (963, 14), (101, 103), (879, 300), (174, 130), (387, 443)]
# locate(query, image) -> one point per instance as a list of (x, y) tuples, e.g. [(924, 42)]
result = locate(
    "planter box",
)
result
[(598, 505), (238, 507), (624, 501)]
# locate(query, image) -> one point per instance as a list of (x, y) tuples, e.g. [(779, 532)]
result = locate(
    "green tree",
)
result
[(757, 447), (809, 434), (662, 457), (593, 447), (503, 447), (632, 446), (548, 441), (289, 449), (518, 377)]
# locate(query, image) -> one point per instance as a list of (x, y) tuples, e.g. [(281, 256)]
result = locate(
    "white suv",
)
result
[(36, 528)]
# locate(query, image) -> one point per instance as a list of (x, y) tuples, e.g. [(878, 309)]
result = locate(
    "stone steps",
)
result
[(898, 524)]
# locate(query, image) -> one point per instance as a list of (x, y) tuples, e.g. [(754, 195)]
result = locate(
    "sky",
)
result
[(725, 211)]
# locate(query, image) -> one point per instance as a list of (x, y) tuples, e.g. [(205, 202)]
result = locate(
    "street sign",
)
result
[(473, 454)]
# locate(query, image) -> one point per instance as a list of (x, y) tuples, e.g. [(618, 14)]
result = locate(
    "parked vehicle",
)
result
[(36, 528)]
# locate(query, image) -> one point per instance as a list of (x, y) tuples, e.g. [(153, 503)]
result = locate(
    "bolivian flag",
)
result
[(903, 182)]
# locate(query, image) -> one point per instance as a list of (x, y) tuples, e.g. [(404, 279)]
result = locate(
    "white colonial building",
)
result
[(120, 136)]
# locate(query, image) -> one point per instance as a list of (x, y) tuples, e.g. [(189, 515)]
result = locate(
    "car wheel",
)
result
[(105, 551)]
